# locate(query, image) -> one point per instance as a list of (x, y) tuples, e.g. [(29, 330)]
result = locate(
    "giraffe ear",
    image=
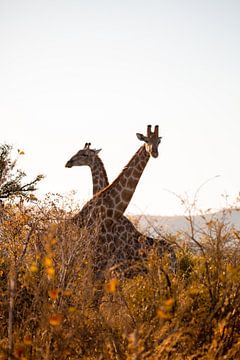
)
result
[(141, 137), (97, 151)]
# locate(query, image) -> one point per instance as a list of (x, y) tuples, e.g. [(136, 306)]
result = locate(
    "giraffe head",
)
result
[(86, 156), (152, 140)]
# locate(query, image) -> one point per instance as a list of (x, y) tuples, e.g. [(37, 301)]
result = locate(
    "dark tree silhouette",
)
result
[(11, 179)]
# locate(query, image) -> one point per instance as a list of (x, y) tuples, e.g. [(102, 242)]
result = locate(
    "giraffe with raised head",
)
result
[(118, 240)]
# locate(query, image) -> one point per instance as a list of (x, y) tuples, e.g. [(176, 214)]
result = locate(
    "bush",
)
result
[(47, 308), (11, 178)]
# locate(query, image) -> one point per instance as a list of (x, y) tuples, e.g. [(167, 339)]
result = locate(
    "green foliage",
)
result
[(11, 179), (47, 294)]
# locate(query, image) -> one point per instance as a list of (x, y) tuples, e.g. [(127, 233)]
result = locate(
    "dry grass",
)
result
[(47, 291)]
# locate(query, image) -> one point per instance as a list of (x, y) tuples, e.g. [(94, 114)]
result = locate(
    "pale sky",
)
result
[(99, 71)]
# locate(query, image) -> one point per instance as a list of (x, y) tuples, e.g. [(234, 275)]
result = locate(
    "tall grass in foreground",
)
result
[(47, 291)]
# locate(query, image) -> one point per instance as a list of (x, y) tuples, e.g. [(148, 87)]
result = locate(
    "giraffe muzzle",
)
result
[(68, 164), (155, 154)]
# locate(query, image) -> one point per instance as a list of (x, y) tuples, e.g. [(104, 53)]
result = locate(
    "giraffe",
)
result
[(110, 203), (106, 208), (117, 240), (89, 157), (124, 229)]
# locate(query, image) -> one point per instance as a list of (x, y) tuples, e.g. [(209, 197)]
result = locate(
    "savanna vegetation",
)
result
[(47, 308)]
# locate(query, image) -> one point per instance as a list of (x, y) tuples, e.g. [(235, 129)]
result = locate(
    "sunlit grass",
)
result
[(47, 294)]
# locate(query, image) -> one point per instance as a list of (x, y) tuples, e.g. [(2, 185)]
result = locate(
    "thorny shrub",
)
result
[(47, 291)]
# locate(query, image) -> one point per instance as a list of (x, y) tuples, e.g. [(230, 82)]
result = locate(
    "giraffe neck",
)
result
[(119, 193), (99, 175)]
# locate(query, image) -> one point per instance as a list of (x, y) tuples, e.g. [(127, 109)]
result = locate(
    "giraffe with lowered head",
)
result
[(117, 239)]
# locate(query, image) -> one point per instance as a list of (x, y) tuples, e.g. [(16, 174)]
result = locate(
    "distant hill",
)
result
[(153, 224)]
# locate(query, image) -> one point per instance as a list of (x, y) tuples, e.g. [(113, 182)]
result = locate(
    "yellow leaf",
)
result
[(55, 320), (50, 272), (168, 304), (221, 326), (72, 309), (53, 241), (53, 294), (47, 261), (34, 268), (111, 286), (163, 315)]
